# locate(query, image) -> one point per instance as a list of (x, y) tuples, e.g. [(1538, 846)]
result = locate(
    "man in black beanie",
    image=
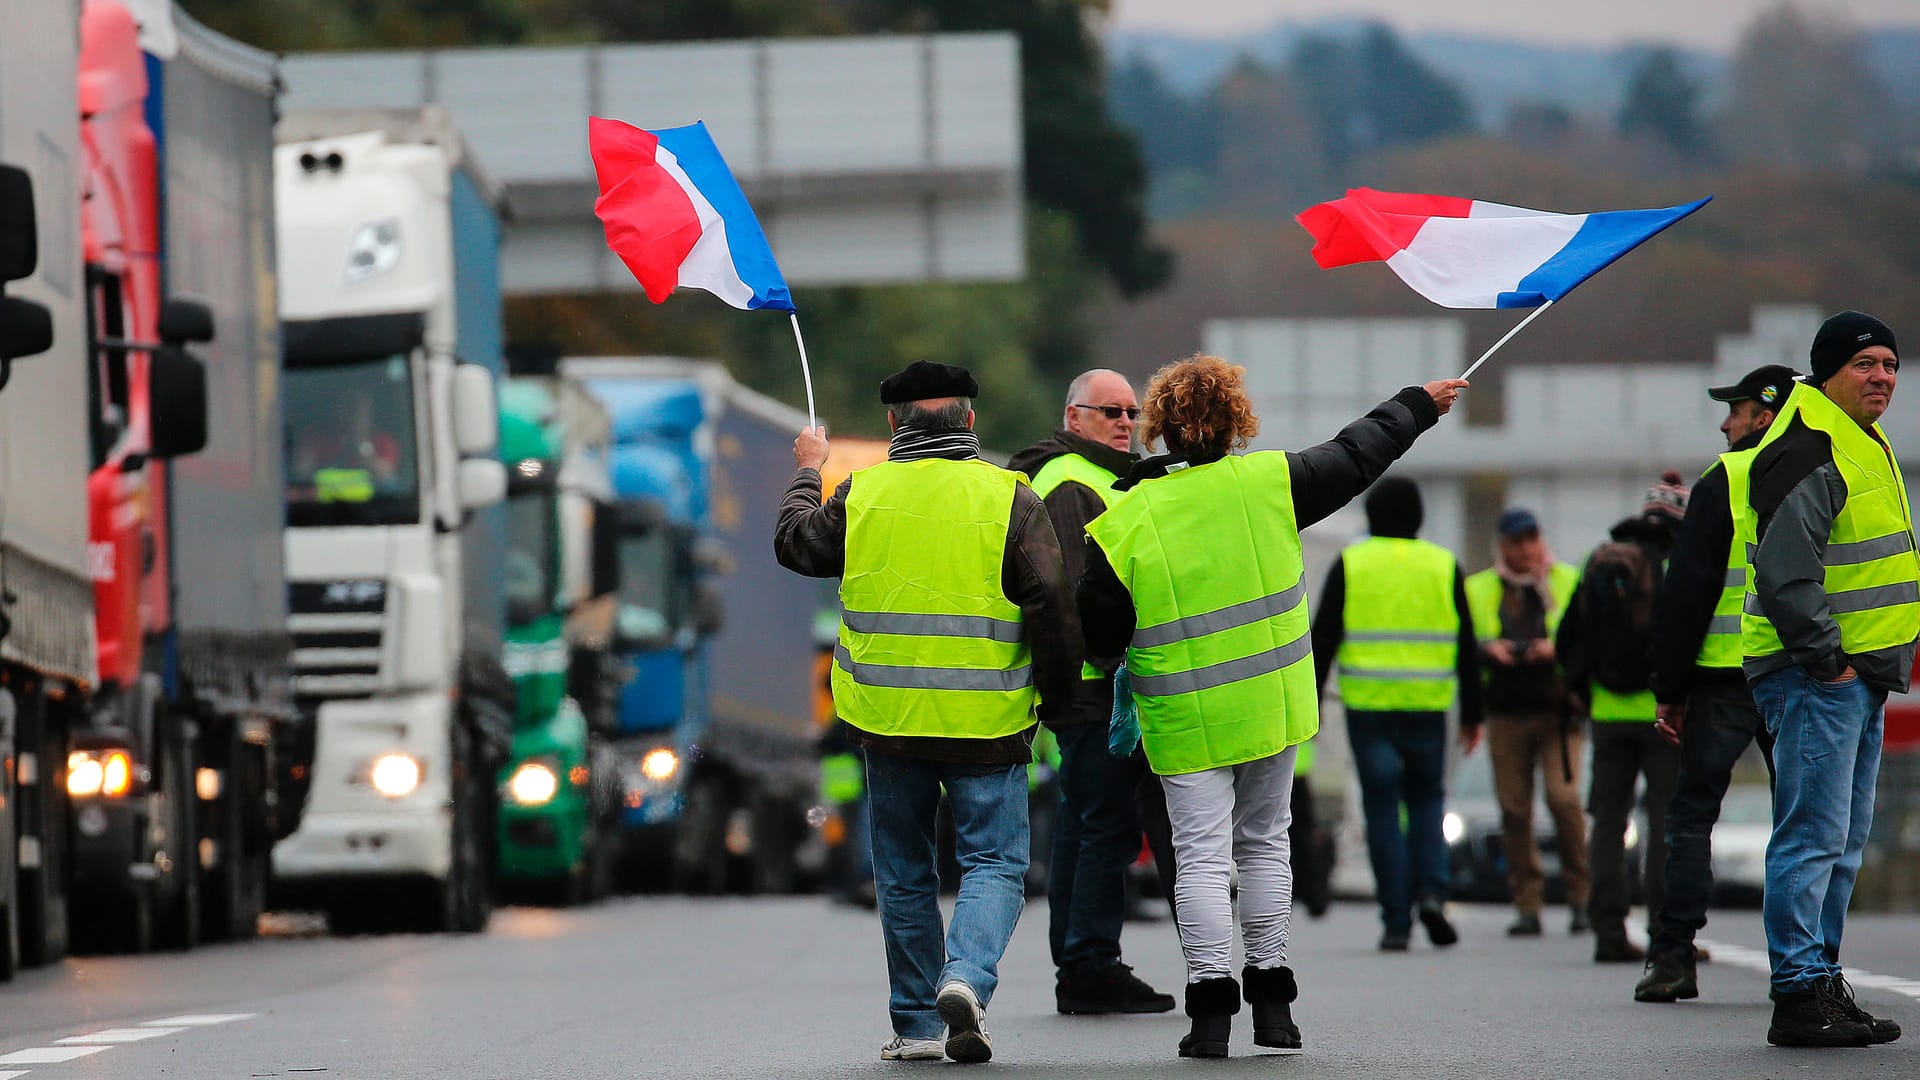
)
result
[(1827, 631), (1393, 616)]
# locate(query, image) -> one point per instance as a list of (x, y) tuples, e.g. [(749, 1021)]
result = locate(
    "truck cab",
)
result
[(390, 308), (561, 570)]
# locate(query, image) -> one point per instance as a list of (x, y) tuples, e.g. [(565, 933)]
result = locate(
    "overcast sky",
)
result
[(1712, 24)]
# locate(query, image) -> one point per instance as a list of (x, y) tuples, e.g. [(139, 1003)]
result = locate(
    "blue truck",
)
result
[(716, 731)]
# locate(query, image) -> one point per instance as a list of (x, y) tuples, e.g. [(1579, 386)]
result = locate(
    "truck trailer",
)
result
[(389, 238), (718, 744)]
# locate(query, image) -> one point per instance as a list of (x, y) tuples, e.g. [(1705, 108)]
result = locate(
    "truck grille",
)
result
[(337, 629)]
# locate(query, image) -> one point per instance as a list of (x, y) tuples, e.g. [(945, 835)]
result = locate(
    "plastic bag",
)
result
[(1123, 729)]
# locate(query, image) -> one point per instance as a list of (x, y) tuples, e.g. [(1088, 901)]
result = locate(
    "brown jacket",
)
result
[(811, 538)]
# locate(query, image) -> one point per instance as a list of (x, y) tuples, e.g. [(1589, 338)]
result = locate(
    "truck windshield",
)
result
[(528, 577), (351, 452), (647, 573)]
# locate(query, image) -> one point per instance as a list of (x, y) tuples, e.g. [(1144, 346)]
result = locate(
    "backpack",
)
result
[(1617, 594)]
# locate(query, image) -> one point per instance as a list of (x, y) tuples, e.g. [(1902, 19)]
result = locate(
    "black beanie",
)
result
[(1394, 508), (1841, 337)]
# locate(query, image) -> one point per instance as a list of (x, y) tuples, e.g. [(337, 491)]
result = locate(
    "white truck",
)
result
[(390, 307)]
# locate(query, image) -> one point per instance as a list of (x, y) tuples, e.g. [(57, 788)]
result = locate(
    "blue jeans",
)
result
[(1826, 758), (989, 804), (1402, 758), (1095, 838), (1721, 723)]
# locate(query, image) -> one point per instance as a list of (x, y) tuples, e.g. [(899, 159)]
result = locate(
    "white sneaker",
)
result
[(967, 1038), (903, 1049)]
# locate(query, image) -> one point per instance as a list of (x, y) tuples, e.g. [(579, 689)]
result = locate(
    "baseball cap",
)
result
[(1517, 521), (1768, 385)]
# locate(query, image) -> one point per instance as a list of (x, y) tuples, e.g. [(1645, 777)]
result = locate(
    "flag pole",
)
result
[(806, 372), (1509, 337)]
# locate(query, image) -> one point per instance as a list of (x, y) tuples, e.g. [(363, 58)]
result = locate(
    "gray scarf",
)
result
[(911, 443)]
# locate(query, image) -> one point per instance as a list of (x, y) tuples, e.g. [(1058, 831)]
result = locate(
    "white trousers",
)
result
[(1237, 814)]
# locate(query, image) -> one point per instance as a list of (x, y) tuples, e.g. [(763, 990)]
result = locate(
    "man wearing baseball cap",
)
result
[(1704, 704), (1827, 632)]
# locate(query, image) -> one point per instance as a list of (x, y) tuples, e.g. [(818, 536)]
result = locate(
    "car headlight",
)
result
[(1633, 832), (394, 775), (99, 772), (373, 250), (1452, 827), (660, 764), (534, 783)]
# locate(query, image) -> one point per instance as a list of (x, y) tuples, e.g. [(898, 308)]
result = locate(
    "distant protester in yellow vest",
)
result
[(1705, 707), (1394, 618), (1827, 632), (957, 628), (1097, 833), (1604, 644), (1517, 606), (1197, 575)]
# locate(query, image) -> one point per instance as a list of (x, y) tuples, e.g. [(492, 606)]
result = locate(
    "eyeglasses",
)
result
[(1112, 412)]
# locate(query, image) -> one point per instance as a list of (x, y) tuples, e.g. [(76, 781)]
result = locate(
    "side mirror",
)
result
[(26, 328), (476, 411), (606, 550), (178, 383), (19, 235), (184, 320), (482, 483), (709, 608)]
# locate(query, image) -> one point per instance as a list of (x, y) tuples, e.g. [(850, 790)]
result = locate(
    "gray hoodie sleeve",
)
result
[(1790, 576)]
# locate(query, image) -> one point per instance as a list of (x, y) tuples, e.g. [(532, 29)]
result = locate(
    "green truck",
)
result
[(557, 841)]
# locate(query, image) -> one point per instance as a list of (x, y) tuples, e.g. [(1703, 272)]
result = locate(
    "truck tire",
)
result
[(42, 916), (700, 840), (233, 889), (774, 840), (462, 903), (9, 938), (177, 922)]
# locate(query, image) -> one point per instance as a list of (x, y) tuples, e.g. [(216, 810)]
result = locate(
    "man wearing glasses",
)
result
[(1098, 830)]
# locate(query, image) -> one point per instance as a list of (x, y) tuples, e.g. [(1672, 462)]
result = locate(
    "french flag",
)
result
[(676, 216), (1464, 253)]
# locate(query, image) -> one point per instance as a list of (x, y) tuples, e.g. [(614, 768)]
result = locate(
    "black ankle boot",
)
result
[(1211, 1003), (1271, 991)]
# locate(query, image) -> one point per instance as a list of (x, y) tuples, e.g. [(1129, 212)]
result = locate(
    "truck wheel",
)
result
[(9, 940), (43, 809), (462, 903), (233, 889), (178, 924), (700, 843), (773, 844)]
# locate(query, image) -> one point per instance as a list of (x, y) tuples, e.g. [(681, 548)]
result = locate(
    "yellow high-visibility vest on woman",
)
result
[(1221, 660), (1400, 629), (929, 644)]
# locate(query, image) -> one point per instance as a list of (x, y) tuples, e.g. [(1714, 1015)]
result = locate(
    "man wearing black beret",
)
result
[(958, 629), (1826, 632)]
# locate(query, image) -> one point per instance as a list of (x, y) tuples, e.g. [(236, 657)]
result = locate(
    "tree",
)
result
[(1373, 93), (1270, 165), (1660, 105), (1801, 96)]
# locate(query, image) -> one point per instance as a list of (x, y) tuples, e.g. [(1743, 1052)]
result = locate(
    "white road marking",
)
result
[(47, 1055), (1756, 960), (115, 1036), (199, 1020), (10, 1074)]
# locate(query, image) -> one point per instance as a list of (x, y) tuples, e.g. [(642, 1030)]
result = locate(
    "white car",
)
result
[(1740, 844)]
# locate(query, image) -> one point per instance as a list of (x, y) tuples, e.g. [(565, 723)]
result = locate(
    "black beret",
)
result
[(923, 380)]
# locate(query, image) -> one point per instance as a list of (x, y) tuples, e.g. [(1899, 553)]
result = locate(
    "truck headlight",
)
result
[(99, 772), (373, 250), (394, 775), (1452, 827), (533, 784), (659, 765)]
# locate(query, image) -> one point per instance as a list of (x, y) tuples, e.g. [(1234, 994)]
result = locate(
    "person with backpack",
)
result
[(1517, 604), (1603, 644)]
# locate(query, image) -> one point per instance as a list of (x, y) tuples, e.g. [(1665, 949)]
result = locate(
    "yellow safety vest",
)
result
[(1872, 572), (1401, 630), (1076, 469), (1221, 659), (929, 643), (1485, 588), (1721, 647)]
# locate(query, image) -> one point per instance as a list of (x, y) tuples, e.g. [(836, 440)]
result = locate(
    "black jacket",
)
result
[(811, 538), (1655, 533), (1070, 506), (1324, 478), (1695, 577)]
